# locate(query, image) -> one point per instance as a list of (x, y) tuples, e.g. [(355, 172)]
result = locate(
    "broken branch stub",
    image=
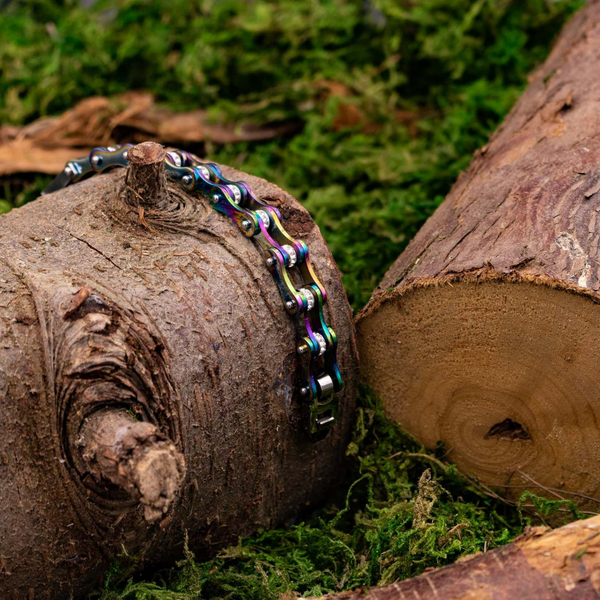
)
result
[(134, 456), (146, 180)]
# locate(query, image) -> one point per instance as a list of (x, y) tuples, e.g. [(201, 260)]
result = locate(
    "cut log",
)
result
[(148, 380), (555, 565), (485, 333)]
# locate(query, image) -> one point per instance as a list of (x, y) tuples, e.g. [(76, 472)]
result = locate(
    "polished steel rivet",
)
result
[(304, 391), (302, 349), (215, 198), (96, 160), (271, 262), (246, 224), (290, 304), (186, 179), (326, 386)]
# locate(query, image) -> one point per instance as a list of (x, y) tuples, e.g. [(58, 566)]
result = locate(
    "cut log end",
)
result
[(146, 182), (501, 372), (134, 456)]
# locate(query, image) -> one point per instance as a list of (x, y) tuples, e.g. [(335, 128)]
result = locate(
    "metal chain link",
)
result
[(317, 343)]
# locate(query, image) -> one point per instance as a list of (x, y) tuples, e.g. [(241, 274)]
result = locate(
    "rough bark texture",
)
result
[(133, 340), (134, 456), (484, 334), (146, 180), (561, 564)]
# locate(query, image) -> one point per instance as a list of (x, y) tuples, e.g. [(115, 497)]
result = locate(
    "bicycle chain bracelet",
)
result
[(317, 344)]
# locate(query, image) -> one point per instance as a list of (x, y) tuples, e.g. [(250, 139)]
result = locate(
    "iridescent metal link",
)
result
[(320, 377)]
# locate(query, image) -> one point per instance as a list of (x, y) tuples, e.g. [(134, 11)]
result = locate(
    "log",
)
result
[(484, 334), (560, 564), (148, 380)]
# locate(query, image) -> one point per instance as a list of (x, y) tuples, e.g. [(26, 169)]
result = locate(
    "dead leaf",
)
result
[(347, 115), (23, 157), (332, 88), (45, 145)]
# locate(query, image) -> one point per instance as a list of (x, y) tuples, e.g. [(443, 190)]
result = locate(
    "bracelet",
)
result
[(317, 343)]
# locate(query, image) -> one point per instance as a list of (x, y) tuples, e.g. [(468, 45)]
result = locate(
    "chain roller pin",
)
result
[(264, 217)]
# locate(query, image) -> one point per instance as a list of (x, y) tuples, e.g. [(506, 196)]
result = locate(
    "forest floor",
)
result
[(384, 103)]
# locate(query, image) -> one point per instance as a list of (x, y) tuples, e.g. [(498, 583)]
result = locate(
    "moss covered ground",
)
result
[(390, 98)]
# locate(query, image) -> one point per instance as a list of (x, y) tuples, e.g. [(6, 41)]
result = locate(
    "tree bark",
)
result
[(484, 334), (147, 380), (555, 565)]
